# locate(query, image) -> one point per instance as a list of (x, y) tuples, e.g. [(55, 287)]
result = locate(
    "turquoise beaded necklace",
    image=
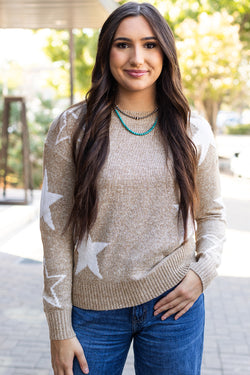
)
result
[(131, 131)]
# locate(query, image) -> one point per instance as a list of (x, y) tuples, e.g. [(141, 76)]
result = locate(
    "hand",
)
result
[(182, 298), (63, 353)]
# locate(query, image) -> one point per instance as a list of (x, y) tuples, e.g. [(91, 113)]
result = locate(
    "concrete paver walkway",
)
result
[(24, 344)]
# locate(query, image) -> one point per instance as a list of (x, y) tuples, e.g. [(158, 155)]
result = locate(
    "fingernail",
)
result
[(86, 370)]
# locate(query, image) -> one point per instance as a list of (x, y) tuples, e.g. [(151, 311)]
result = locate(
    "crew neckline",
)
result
[(136, 113)]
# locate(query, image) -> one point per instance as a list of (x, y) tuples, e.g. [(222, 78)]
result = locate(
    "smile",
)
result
[(136, 73)]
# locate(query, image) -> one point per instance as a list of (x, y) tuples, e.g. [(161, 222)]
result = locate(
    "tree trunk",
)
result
[(211, 111)]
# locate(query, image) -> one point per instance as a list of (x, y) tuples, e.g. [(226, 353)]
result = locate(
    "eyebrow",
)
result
[(130, 40)]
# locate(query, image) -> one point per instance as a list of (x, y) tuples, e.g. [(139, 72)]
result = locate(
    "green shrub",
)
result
[(243, 129)]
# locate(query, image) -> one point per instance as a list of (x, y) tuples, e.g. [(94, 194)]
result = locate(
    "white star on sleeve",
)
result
[(62, 134), (47, 200), (87, 256), (53, 299), (215, 248), (203, 137)]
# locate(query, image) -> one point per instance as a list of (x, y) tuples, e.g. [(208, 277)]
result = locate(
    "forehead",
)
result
[(134, 26)]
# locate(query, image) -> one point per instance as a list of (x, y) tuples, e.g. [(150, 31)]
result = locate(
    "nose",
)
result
[(137, 57)]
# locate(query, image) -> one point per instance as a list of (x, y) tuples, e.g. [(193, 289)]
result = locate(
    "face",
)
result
[(136, 57)]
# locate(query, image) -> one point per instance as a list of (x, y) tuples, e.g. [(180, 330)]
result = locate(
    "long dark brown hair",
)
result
[(93, 129)]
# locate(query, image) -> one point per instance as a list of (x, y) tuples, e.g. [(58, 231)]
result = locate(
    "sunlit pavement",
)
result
[(24, 345), (236, 254)]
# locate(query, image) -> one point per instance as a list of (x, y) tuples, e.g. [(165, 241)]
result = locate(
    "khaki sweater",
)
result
[(135, 249)]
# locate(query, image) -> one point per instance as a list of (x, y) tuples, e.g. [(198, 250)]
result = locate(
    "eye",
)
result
[(150, 45), (122, 45)]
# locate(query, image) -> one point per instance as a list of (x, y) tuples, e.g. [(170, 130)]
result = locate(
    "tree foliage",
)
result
[(39, 121), (210, 56), (57, 48), (176, 11), (240, 10)]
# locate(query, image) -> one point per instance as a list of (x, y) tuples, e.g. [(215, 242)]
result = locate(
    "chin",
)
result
[(137, 87)]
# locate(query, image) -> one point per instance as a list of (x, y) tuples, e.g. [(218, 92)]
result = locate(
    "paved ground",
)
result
[(24, 345)]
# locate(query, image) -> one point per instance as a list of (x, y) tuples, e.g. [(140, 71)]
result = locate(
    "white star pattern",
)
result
[(203, 136), (53, 299), (216, 243), (87, 256), (62, 136), (47, 200)]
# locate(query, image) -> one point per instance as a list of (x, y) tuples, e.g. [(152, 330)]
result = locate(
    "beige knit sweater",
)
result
[(135, 250)]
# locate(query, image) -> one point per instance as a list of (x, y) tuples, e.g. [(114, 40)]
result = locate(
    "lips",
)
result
[(136, 73)]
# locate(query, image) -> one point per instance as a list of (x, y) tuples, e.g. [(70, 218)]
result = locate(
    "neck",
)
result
[(136, 101)]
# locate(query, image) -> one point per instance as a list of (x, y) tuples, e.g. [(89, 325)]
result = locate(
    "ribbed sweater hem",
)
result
[(110, 295)]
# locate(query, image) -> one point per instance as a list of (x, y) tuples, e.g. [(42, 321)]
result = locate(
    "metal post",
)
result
[(5, 141), (25, 146), (72, 56)]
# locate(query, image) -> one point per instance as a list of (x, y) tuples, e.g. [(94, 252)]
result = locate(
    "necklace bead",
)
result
[(131, 131), (136, 117)]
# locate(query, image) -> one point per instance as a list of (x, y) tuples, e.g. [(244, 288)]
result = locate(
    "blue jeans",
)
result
[(169, 347)]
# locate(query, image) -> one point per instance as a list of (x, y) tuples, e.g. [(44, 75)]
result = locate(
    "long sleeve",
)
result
[(210, 215), (56, 204)]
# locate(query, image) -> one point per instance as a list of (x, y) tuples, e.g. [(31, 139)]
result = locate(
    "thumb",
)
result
[(82, 361)]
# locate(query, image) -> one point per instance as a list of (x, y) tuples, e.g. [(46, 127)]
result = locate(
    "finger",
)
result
[(183, 311), (173, 311), (168, 306), (82, 361), (169, 298)]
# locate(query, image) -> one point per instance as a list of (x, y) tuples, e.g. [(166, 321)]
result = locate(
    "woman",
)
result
[(127, 176)]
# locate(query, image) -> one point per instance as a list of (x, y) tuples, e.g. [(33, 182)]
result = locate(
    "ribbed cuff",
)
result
[(205, 270), (60, 324)]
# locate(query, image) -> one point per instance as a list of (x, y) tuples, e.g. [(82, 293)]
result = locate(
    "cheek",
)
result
[(157, 61), (116, 59)]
